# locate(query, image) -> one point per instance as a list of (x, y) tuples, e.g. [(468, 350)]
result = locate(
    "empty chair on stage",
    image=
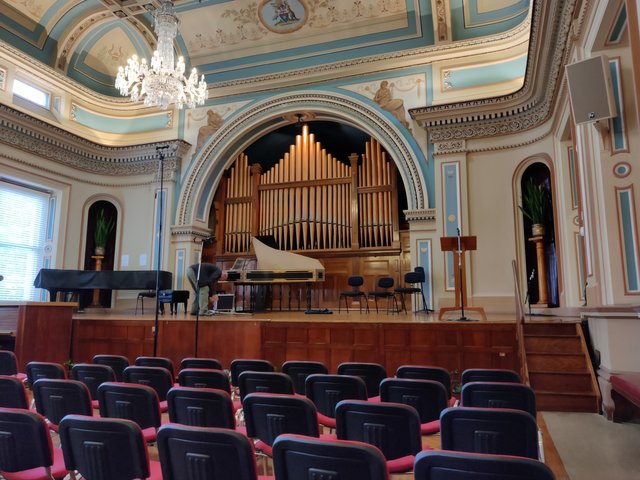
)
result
[(26, 448), (326, 390), (12, 393), (355, 282), (425, 372), (192, 362), (200, 407), (443, 465), (117, 362), (298, 371), (385, 284), (92, 375), (156, 362), (264, 382), (489, 375), (106, 448), (37, 370), (489, 430), (297, 457), (428, 397), (138, 403), (392, 427), (158, 378), (413, 287), (371, 373), (55, 398), (213, 453), (270, 415), (499, 395), (9, 365)]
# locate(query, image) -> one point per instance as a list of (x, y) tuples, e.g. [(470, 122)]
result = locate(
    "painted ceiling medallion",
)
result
[(283, 16)]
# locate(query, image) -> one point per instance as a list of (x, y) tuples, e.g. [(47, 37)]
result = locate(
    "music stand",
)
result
[(459, 245)]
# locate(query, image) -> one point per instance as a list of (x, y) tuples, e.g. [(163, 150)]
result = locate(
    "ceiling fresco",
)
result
[(231, 41)]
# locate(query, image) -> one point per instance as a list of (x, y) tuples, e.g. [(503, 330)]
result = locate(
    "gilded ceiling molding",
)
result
[(523, 110), (36, 137)]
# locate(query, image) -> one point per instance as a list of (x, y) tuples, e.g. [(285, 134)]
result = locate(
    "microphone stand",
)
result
[(161, 154), (462, 316), (195, 352), (528, 297)]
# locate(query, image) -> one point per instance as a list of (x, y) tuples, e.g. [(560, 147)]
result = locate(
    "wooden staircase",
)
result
[(559, 368)]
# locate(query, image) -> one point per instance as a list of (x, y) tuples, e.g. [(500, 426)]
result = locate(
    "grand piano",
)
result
[(58, 280), (277, 267)]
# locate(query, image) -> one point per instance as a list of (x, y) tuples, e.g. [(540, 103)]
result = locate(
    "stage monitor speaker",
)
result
[(591, 90)]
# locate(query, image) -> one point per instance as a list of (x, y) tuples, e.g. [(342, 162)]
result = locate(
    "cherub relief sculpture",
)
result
[(384, 98)]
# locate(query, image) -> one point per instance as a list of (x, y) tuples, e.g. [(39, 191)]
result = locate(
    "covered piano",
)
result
[(278, 267)]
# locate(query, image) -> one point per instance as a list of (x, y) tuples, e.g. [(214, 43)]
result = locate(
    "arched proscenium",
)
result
[(203, 176)]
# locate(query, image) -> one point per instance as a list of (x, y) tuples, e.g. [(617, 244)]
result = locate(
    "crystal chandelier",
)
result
[(163, 82)]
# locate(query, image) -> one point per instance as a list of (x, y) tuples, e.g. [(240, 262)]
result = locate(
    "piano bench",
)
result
[(174, 297)]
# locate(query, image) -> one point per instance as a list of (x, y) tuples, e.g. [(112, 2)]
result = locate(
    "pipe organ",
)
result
[(310, 200)]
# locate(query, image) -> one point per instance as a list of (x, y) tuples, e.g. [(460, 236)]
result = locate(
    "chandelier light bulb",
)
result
[(162, 81)]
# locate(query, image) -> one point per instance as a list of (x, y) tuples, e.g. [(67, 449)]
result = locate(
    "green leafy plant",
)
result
[(536, 202), (103, 228)]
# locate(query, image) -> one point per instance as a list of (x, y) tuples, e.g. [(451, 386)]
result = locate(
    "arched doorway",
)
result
[(100, 211)]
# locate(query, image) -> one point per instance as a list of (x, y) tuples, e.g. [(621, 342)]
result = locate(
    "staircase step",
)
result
[(560, 381), (560, 362), (550, 328), (566, 402), (552, 344)]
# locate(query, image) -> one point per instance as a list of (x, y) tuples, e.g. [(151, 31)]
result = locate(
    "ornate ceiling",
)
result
[(247, 43)]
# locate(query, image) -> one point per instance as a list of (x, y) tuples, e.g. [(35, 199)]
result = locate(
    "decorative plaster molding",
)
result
[(521, 110), (420, 215), (453, 146), (29, 134)]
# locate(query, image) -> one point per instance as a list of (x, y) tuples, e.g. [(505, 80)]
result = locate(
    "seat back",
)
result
[(117, 362), (385, 283), (8, 363), (92, 376), (155, 362), (489, 375), (192, 362), (420, 372), (326, 390), (12, 393), (104, 448), (204, 378), (37, 370), (443, 465), (240, 365), (298, 371), (200, 407), (138, 403), (412, 278), (264, 382), (428, 397), (371, 373), (270, 415), (211, 452), (56, 398), (421, 275), (488, 430), (296, 457), (158, 378), (392, 427), (25, 442), (499, 395), (355, 282)]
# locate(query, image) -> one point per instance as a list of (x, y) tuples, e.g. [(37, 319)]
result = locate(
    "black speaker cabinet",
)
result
[(225, 302), (591, 90)]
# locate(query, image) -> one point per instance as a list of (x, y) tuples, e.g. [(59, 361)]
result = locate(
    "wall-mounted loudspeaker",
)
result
[(591, 90)]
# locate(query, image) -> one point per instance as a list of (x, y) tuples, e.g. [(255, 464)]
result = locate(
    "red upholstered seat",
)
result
[(627, 384)]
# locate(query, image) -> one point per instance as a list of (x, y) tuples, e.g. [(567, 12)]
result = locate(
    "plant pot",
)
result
[(99, 251), (537, 229)]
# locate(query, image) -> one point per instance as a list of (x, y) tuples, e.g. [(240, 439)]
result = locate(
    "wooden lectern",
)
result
[(459, 245)]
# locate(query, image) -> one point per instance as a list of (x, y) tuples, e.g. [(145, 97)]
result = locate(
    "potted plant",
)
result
[(536, 206), (103, 228)]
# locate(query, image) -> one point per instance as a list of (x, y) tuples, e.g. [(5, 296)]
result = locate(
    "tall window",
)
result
[(23, 222)]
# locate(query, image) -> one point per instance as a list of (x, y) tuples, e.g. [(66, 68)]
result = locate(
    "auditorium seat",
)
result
[(200, 407), (371, 373), (240, 365), (199, 453), (27, 449), (192, 362), (298, 457), (264, 382), (106, 448), (37, 370), (426, 372), (92, 376), (394, 428), (13, 393), (326, 390), (117, 362), (156, 362), (55, 398), (204, 378), (158, 378), (299, 370), (499, 395), (489, 375), (443, 465), (9, 365)]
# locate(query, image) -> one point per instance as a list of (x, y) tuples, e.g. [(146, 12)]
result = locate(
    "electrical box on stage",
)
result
[(225, 302)]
